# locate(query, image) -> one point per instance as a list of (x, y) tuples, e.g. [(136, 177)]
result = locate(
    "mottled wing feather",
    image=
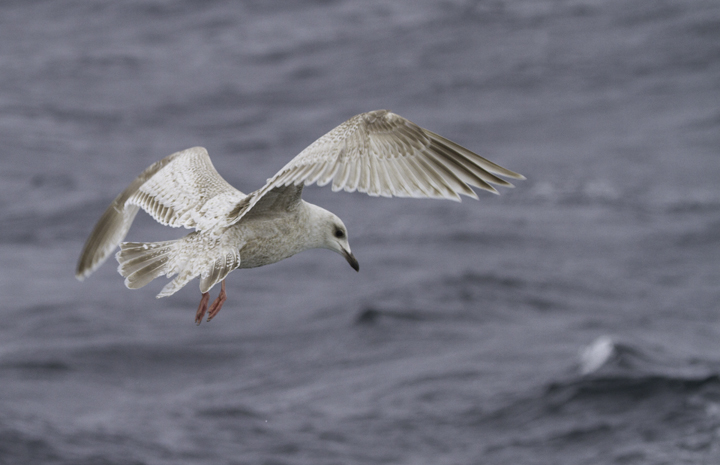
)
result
[(383, 154), (182, 189), (189, 192)]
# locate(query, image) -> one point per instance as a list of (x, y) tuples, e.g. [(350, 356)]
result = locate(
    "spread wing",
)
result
[(383, 154), (182, 189)]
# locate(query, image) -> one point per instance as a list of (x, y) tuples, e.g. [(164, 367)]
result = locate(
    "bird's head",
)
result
[(330, 233)]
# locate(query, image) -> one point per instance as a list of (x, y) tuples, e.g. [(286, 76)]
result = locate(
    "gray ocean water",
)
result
[(571, 320)]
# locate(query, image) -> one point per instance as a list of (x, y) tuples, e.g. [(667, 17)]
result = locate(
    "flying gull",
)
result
[(379, 153)]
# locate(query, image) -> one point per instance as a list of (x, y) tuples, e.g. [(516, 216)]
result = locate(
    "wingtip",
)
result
[(491, 189), (82, 272)]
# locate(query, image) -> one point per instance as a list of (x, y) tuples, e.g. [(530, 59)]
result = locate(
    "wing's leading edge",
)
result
[(383, 154)]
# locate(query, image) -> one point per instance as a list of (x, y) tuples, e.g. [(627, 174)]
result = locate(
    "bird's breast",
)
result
[(269, 240)]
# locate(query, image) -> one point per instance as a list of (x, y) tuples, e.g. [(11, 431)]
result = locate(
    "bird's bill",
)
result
[(351, 260)]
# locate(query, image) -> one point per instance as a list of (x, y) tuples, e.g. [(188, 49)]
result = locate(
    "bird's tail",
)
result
[(141, 262)]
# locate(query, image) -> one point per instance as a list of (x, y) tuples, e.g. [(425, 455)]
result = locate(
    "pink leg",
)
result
[(202, 308), (217, 305)]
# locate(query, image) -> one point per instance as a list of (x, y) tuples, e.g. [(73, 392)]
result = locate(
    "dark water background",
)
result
[(459, 341)]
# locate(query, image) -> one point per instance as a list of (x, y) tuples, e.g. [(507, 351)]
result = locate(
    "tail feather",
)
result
[(176, 284), (132, 250), (144, 275), (140, 262), (134, 260)]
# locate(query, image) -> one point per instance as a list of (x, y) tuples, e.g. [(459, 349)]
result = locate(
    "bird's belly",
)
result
[(257, 254), (265, 243)]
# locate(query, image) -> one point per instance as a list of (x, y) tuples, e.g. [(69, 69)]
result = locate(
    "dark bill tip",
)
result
[(352, 261)]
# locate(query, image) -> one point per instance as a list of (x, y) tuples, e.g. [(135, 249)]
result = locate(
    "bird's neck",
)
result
[(313, 220)]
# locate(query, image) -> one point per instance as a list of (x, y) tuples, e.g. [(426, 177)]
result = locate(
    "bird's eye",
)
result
[(339, 233)]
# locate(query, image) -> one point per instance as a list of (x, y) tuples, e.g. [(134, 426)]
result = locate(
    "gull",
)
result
[(379, 153)]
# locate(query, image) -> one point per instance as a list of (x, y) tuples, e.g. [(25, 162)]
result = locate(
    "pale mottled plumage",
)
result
[(378, 152)]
